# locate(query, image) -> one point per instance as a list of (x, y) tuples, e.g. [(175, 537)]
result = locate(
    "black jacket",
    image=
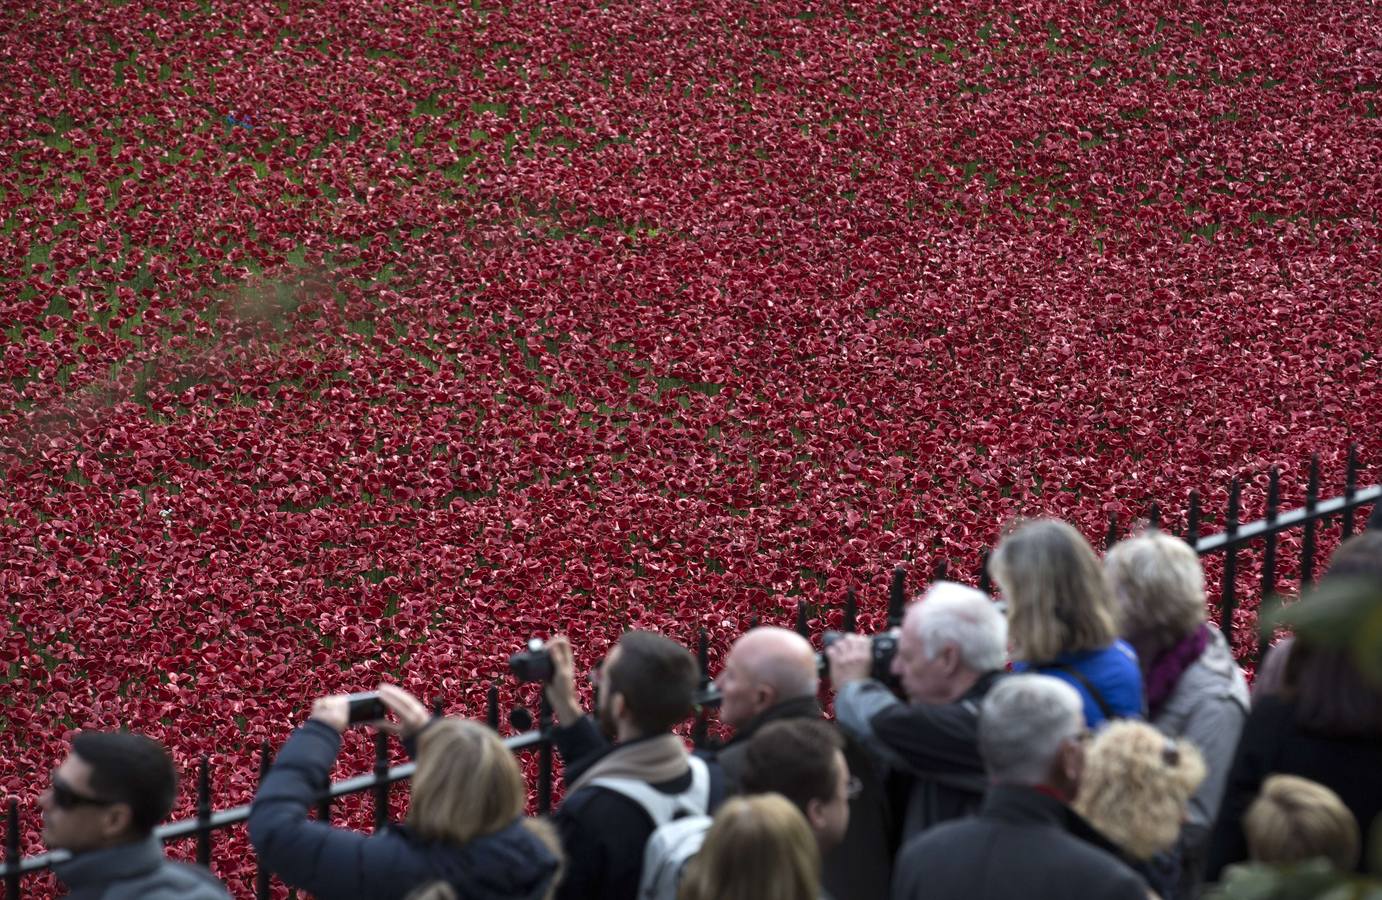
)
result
[(1023, 845), (935, 751), (602, 831), (337, 862), (1273, 743), (861, 867)]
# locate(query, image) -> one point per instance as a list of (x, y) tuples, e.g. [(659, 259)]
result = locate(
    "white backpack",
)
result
[(680, 822)]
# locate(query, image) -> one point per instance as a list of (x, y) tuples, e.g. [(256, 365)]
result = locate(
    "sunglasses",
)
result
[(66, 797)]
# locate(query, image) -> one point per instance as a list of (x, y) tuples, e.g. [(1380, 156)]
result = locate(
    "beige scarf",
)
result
[(654, 761)]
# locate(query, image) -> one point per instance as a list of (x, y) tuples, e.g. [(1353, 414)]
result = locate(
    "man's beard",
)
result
[(605, 718)]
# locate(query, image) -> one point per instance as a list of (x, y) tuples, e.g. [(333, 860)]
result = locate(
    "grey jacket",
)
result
[(134, 871), (1208, 708)]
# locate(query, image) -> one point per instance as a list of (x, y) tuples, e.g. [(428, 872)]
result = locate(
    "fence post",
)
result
[(204, 812), (438, 707), (1154, 515), (12, 858), (261, 874), (1192, 519), (1307, 547), (1229, 601), (492, 706), (1269, 553), (1350, 488), (897, 596), (985, 580), (700, 730), (1111, 537), (942, 571), (852, 611), (802, 618), (544, 756), (381, 782)]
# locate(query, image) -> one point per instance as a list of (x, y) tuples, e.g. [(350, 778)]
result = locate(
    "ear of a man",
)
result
[(117, 821)]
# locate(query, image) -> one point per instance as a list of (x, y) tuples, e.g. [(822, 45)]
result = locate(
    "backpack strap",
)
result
[(661, 807), (1093, 692)]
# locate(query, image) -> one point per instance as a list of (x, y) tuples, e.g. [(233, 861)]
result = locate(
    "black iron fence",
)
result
[(1230, 542)]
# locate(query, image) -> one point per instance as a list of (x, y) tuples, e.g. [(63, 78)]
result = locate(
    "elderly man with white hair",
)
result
[(1026, 842), (770, 675), (951, 652)]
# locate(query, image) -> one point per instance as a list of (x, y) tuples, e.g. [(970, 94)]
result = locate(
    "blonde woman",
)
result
[(1135, 789), (759, 848), (1061, 617), (465, 825), (1194, 688)]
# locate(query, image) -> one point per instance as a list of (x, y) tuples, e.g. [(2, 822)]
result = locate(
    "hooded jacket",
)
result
[(510, 864)]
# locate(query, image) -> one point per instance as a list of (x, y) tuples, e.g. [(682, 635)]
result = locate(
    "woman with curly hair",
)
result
[(1135, 789)]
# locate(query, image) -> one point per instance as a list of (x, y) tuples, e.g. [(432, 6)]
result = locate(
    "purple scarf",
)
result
[(1171, 664)]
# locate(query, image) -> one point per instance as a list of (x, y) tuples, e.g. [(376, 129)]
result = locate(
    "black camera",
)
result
[(533, 664), (884, 647), (366, 707)]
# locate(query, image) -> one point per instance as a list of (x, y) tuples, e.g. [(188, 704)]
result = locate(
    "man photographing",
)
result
[(617, 794), (951, 651)]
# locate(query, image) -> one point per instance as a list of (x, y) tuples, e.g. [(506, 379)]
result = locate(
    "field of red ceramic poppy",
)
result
[(355, 340)]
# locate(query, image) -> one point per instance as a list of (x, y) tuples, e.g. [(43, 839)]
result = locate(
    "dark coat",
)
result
[(1272, 743), (603, 831), (511, 864), (861, 867), (1023, 845), (938, 748), (136, 871)]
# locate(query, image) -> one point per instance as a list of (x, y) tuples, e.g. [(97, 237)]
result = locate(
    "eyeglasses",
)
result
[(67, 797), (853, 788)]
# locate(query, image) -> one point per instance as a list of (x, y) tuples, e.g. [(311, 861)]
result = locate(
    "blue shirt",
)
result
[(1113, 671)]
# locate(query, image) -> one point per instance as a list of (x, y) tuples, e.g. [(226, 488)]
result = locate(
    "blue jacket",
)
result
[(1112, 671), (511, 864)]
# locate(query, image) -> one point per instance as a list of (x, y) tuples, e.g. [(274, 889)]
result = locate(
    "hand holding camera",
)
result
[(554, 664), (849, 658), (340, 711)]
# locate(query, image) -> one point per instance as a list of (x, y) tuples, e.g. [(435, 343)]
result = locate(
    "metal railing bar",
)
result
[(1216, 543)]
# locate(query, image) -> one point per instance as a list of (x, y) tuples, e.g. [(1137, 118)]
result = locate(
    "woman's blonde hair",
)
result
[(1294, 819), (1136, 786), (759, 848), (1058, 597), (1159, 586), (467, 783)]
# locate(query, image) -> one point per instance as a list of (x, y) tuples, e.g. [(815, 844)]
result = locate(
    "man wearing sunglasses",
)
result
[(101, 807)]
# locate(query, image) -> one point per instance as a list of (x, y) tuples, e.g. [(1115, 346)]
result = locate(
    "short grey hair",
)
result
[(951, 613), (1023, 723), (1159, 586)]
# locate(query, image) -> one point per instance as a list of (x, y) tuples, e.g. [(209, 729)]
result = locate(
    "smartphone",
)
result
[(366, 707)]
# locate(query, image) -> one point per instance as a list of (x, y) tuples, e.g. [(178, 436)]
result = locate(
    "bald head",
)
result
[(765, 667)]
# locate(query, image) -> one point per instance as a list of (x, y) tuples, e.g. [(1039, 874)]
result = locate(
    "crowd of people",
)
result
[(1092, 736)]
